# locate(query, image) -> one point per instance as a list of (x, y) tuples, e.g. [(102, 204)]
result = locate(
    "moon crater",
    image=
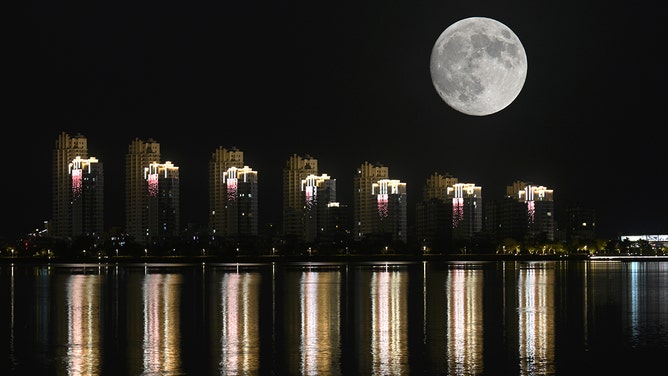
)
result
[(478, 66)]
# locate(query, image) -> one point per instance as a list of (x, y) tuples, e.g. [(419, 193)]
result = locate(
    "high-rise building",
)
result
[(335, 227), (319, 192), (87, 196), (222, 160), (364, 205), (163, 198), (449, 211), (241, 202), (538, 205), (467, 215), (77, 189), (433, 215), (296, 169), (391, 209), (140, 155)]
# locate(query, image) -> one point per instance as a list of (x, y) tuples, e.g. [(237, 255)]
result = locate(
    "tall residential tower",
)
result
[(296, 169), (77, 189), (537, 204), (233, 195), (140, 155), (390, 220), (162, 180), (364, 206), (433, 215)]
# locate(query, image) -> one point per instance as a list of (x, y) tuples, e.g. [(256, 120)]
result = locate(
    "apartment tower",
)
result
[(139, 156), (467, 214), (87, 196), (537, 203), (433, 215), (391, 209), (77, 189), (163, 198), (297, 168), (364, 206), (223, 190), (319, 191)]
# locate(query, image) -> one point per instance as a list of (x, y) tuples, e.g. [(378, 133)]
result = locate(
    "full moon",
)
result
[(478, 66)]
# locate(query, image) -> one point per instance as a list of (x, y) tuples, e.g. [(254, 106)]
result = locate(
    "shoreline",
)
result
[(266, 259)]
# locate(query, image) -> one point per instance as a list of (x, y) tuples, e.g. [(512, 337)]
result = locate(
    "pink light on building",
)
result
[(76, 169), (382, 189), (76, 182), (153, 172), (232, 189), (457, 211), (231, 180), (310, 187), (531, 207), (152, 180), (382, 205), (310, 193)]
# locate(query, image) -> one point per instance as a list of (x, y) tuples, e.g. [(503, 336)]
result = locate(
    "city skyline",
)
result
[(143, 160), (115, 215), (345, 84)]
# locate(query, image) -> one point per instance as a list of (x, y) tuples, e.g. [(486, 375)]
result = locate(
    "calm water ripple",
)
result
[(429, 318)]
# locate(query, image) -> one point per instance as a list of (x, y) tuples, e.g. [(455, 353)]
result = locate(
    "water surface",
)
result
[(376, 318)]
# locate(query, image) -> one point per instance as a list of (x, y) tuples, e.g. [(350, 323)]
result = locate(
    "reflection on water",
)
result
[(313, 315), (78, 323), (464, 321), (236, 321), (536, 318), (389, 345), (454, 322), (647, 302), (154, 324), (382, 320), (320, 314), (505, 318), (632, 296)]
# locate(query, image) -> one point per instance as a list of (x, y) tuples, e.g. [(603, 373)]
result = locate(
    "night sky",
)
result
[(346, 82)]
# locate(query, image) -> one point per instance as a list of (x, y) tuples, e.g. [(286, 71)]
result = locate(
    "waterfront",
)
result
[(374, 317)]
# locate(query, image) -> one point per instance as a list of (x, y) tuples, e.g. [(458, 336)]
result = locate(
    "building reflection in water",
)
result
[(80, 324), (320, 322), (313, 317), (236, 320), (383, 320), (156, 311), (464, 321), (645, 306), (536, 318)]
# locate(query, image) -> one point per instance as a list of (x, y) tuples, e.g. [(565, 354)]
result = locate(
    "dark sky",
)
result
[(345, 82)]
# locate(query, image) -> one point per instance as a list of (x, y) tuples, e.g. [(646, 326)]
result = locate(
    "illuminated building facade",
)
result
[(87, 196), (222, 160), (162, 192), (537, 204), (391, 209), (296, 169), (466, 199), (364, 203), (433, 215), (319, 192), (77, 189), (240, 187), (140, 155), (449, 211)]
